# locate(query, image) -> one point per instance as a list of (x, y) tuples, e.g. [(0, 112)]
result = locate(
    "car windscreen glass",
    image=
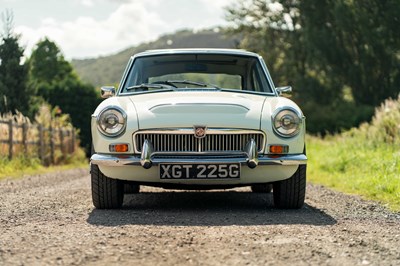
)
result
[(216, 70)]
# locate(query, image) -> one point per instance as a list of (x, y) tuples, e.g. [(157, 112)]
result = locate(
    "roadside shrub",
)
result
[(334, 118), (384, 126)]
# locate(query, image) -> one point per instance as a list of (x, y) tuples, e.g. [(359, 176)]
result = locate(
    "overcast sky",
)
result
[(91, 28)]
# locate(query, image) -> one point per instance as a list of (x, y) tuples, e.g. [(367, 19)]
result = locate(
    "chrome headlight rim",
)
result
[(119, 113), (295, 118)]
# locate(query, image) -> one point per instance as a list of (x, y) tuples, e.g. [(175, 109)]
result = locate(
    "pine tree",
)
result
[(14, 92)]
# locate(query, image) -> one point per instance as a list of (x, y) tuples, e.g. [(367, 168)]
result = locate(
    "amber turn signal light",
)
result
[(120, 147), (278, 149)]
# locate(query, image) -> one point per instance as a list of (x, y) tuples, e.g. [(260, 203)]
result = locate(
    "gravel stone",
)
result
[(49, 219)]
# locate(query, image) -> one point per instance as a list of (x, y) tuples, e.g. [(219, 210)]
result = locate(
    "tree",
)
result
[(358, 43), (47, 64), (274, 30), (56, 83), (14, 92), (342, 56)]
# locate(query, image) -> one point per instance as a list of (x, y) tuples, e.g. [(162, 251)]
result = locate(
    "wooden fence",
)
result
[(50, 144)]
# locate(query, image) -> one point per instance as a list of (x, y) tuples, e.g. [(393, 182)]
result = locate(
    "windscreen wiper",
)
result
[(146, 86), (197, 83)]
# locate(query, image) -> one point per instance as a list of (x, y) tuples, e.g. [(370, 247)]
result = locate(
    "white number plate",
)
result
[(199, 171)]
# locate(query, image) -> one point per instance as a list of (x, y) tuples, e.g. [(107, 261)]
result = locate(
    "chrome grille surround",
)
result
[(183, 141)]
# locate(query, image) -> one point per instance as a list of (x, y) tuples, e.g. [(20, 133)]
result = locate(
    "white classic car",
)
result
[(197, 119)]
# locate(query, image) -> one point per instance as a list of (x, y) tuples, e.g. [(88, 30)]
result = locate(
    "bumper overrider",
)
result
[(149, 158)]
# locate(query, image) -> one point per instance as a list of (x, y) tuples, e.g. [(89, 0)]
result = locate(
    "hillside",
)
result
[(108, 70)]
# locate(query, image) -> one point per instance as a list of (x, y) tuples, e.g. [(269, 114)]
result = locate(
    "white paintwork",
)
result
[(184, 109)]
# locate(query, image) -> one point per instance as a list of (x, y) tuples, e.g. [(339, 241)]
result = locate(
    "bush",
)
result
[(384, 127), (334, 118)]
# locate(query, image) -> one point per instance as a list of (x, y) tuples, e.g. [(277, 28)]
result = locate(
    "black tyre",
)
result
[(131, 188), (107, 193), (261, 188), (290, 193)]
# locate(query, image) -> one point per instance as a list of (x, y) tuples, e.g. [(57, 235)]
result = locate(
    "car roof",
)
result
[(238, 52)]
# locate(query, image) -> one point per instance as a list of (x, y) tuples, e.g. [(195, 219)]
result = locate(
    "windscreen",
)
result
[(197, 71)]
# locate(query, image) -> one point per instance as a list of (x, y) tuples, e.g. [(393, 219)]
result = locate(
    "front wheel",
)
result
[(107, 193), (290, 193)]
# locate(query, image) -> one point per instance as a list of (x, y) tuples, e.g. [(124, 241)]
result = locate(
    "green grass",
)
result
[(351, 164), (21, 166)]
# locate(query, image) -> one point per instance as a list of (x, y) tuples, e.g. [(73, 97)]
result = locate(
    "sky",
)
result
[(93, 28)]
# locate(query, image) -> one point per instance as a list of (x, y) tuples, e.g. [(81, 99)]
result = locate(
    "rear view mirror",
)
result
[(107, 92), (285, 91)]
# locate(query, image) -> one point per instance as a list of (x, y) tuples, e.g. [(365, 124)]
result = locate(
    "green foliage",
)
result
[(384, 127), (45, 77), (56, 83), (364, 160), (342, 57), (335, 117), (14, 93), (267, 31), (355, 42), (352, 167), (18, 167), (47, 64), (77, 99)]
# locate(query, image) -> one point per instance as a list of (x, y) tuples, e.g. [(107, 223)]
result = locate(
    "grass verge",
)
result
[(22, 166), (352, 165)]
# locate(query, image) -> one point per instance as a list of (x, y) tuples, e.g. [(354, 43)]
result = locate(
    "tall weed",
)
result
[(384, 127)]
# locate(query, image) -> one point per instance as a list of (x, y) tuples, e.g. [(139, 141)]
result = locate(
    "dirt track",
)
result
[(50, 219)]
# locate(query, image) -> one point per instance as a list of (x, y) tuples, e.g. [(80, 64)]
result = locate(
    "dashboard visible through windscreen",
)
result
[(222, 71)]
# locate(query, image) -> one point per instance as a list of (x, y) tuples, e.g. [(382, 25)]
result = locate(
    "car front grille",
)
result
[(184, 141)]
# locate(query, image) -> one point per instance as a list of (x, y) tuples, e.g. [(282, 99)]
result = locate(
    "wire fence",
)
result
[(51, 144)]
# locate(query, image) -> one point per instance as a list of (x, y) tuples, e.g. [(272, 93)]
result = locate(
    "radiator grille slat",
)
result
[(187, 142)]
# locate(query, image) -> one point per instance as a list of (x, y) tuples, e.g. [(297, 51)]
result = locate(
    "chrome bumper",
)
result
[(121, 160), (148, 158)]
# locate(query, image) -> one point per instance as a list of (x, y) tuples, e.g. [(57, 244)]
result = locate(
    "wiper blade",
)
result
[(197, 83), (146, 86)]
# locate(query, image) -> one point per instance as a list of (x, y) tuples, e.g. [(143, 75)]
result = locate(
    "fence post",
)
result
[(62, 143), (73, 141), (51, 144), (10, 139), (41, 144), (24, 135)]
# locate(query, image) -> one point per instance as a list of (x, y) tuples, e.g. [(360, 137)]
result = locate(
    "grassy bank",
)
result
[(345, 165), (364, 160), (22, 166)]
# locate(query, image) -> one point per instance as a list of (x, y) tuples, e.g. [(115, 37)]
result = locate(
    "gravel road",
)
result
[(49, 219)]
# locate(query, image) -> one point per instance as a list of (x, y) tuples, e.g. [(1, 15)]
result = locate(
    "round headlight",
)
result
[(286, 123), (111, 121)]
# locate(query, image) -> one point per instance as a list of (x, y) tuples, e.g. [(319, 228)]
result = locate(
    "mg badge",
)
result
[(200, 131)]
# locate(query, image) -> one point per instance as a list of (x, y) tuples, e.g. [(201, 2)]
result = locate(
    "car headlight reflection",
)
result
[(287, 123), (111, 121)]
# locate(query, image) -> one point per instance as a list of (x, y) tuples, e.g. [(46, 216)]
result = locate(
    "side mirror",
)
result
[(285, 91), (107, 92)]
